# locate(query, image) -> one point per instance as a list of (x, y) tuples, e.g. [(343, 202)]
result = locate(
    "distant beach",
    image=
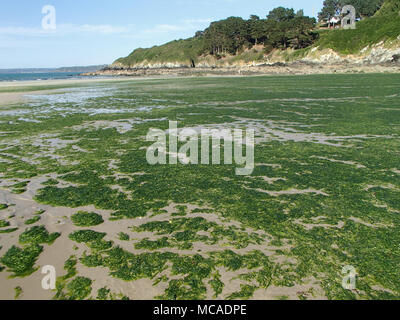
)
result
[(38, 76), (14, 91)]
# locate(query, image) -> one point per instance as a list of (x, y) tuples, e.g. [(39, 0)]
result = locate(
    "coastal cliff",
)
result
[(374, 46)]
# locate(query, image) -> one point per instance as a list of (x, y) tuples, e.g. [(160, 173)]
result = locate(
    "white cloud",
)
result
[(21, 31), (64, 29), (187, 26), (184, 25), (196, 21), (162, 28), (100, 29)]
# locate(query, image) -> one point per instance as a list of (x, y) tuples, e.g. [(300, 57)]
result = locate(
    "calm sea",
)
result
[(38, 76)]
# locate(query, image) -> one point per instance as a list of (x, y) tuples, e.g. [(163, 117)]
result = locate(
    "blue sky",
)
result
[(91, 32)]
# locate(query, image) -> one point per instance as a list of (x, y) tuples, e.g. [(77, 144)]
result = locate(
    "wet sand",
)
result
[(11, 98), (13, 92), (56, 82)]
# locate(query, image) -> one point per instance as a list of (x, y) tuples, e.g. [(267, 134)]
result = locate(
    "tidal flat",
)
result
[(77, 193)]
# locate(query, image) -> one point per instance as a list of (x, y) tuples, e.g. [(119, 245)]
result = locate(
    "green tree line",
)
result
[(364, 8), (282, 28)]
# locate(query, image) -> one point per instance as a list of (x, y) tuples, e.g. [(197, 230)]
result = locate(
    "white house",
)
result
[(334, 21)]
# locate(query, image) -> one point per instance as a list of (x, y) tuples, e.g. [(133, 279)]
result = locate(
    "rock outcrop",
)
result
[(382, 52)]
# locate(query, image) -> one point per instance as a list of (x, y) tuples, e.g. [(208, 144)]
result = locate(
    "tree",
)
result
[(296, 33), (300, 13), (281, 14), (256, 28), (199, 34), (300, 32), (283, 29), (330, 9), (364, 8), (227, 36)]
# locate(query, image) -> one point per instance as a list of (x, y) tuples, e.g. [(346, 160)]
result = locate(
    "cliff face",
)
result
[(379, 53), (382, 52)]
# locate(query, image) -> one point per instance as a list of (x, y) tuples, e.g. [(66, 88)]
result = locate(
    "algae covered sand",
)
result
[(77, 193)]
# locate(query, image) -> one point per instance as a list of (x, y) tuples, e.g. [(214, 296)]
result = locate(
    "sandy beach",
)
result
[(12, 92), (80, 153), (60, 82)]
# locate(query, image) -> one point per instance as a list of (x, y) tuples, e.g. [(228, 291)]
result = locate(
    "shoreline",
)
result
[(115, 75), (53, 82), (13, 92), (294, 68)]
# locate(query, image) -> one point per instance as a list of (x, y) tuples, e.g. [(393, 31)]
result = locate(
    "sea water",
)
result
[(38, 76)]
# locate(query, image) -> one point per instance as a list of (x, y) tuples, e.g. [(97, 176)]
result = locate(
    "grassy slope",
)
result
[(174, 51), (368, 31), (390, 6)]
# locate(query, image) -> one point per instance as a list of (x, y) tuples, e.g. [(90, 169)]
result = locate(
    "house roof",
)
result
[(334, 20)]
